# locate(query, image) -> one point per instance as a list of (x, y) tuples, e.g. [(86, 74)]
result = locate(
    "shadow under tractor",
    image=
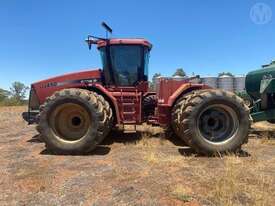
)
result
[(76, 111)]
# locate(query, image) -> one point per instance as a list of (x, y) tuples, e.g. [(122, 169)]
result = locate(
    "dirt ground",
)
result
[(132, 169)]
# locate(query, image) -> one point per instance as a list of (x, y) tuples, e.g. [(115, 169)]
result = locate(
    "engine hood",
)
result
[(94, 73), (47, 87)]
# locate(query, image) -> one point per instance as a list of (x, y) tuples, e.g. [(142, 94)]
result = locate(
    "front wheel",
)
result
[(212, 121), (74, 121)]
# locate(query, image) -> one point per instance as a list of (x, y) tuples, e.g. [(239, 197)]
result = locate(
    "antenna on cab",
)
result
[(94, 39), (108, 29)]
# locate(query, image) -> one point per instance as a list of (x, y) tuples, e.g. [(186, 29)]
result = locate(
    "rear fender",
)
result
[(184, 89), (164, 110)]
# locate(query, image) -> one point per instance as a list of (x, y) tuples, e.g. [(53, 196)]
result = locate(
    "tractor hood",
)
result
[(46, 88), (254, 79)]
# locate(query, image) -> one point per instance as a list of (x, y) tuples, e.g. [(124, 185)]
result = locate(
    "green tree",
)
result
[(4, 94), (179, 72), (18, 92), (155, 76)]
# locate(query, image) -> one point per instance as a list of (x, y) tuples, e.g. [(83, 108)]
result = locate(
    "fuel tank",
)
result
[(253, 79)]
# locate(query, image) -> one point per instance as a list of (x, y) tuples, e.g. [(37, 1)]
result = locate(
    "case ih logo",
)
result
[(78, 81), (50, 84), (261, 13)]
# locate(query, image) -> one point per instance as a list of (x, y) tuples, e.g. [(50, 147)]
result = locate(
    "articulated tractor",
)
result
[(75, 112)]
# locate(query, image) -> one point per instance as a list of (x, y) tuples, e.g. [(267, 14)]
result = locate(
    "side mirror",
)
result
[(90, 41), (89, 45)]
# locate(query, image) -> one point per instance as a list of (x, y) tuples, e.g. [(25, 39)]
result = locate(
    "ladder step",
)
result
[(130, 122), (128, 104), (133, 112)]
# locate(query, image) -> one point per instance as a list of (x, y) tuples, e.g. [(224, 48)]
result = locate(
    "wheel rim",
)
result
[(70, 121), (218, 123)]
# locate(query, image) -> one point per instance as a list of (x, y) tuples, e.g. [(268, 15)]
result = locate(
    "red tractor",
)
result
[(76, 111)]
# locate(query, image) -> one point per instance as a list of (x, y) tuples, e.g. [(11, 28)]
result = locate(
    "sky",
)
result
[(44, 38)]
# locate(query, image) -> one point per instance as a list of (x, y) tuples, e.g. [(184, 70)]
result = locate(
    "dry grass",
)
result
[(11, 116), (157, 157), (145, 141), (181, 193), (152, 153), (148, 171), (239, 183), (268, 141)]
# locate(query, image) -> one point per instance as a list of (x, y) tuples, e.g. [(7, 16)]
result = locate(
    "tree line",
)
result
[(15, 96)]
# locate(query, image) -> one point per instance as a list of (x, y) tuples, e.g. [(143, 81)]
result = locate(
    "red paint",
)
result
[(169, 91), (44, 90), (144, 42), (126, 101), (185, 88)]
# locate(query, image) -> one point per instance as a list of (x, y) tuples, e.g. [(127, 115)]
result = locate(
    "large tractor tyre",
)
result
[(38, 129), (271, 121), (74, 121), (149, 105), (171, 135), (109, 113), (212, 121)]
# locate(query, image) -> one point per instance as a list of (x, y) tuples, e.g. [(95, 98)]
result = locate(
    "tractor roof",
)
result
[(139, 41)]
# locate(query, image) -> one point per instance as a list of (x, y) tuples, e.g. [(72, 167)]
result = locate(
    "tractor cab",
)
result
[(125, 61), (125, 74)]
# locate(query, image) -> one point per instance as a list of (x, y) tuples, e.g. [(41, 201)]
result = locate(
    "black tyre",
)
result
[(109, 114), (74, 121), (211, 121), (271, 121), (171, 135), (38, 128), (149, 105)]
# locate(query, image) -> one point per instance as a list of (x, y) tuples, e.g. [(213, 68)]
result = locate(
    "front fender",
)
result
[(108, 96)]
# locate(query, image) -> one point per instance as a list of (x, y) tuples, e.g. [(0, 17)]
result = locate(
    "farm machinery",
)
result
[(260, 86), (75, 112)]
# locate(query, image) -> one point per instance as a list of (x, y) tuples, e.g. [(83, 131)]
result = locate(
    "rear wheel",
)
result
[(271, 121), (211, 121), (74, 121), (149, 105)]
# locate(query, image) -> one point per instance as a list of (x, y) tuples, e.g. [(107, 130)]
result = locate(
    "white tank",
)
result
[(239, 83), (179, 78), (195, 79), (210, 81), (226, 82)]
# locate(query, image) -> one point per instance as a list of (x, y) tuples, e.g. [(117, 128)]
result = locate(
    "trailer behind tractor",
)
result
[(75, 112)]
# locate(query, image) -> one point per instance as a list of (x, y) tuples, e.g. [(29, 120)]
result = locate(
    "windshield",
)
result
[(129, 63)]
